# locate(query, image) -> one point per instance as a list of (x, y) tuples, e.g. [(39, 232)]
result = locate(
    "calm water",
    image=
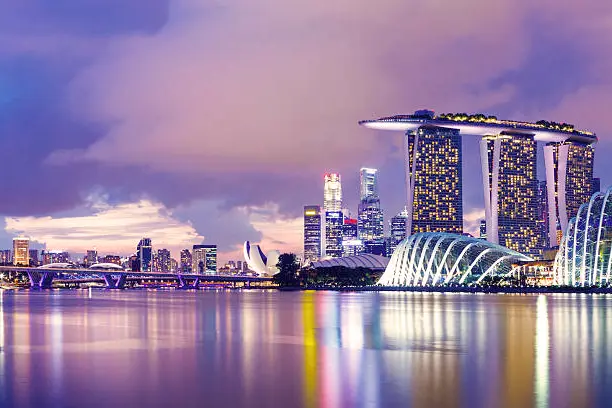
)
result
[(303, 349)]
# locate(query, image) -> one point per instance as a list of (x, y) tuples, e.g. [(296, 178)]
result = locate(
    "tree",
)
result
[(288, 267)]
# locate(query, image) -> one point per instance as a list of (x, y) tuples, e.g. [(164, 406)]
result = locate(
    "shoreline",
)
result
[(460, 289)]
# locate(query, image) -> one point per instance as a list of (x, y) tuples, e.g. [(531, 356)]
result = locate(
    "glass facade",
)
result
[(434, 258), (185, 260), (351, 244), (370, 215), (21, 254), (368, 183), (204, 259), (334, 222), (398, 229), (513, 187), (585, 254), (163, 260), (434, 180), (144, 252), (312, 233), (332, 192)]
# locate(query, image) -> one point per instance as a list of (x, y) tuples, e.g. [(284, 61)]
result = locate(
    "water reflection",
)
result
[(311, 349)]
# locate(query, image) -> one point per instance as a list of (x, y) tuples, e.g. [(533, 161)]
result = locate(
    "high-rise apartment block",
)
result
[(312, 233), (21, 251), (163, 260), (185, 261), (92, 257), (204, 259)]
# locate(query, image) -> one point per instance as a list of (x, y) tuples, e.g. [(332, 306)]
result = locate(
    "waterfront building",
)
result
[(334, 222), (312, 233), (508, 156), (584, 257), (509, 177), (436, 258), (6, 257), (204, 259), (112, 259), (185, 260), (433, 160), (163, 260), (144, 252), (258, 262), (33, 254), (21, 247), (92, 257), (370, 215), (397, 226), (569, 178)]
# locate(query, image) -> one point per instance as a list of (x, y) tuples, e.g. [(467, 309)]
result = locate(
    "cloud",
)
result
[(471, 221), (109, 228)]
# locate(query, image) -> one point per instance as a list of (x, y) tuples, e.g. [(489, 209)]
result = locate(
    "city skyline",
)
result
[(73, 115)]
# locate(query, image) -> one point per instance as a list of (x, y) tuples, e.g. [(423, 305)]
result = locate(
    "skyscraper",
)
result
[(185, 260), (397, 227), (542, 215), (351, 244), (332, 192), (92, 257), (33, 254), (369, 214), (334, 221), (204, 259), (435, 193), (312, 233), (163, 260), (144, 252), (569, 180), (509, 176), (21, 247)]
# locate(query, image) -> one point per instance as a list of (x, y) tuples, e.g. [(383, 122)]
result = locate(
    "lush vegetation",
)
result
[(340, 276), (288, 275)]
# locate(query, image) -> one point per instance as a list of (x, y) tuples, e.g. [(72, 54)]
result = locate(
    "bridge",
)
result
[(42, 278)]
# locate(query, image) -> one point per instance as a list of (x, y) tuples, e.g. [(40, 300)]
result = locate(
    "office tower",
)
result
[(173, 265), (482, 231), (204, 259), (332, 192), (163, 260), (334, 221), (6, 257), (398, 229), (239, 266), (33, 253), (370, 215), (21, 247), (569, 181), (92, 257), (144, 252), (510, 185), (596, 185), (351, 244), (185, 260), (114, 259), (312, 233), (435, 193)]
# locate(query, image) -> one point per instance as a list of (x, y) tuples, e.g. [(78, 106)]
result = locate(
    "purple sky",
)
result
[(220, 118)]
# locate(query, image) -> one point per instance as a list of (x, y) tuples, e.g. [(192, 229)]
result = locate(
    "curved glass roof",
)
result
[(359, 261), (437, 258), (585, 254)]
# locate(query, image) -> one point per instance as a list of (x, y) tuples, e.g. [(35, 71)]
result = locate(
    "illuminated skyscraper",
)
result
[(185, 261), (332, 194), (144, 252), (569, 180), (21, 247), (204, 259), (435, 190), (163, 260), (509, 177), (92, 257), (370, 215), (33, 253), (398, 229), (334, 221), (542, 215), (312, 233), (351, 244)]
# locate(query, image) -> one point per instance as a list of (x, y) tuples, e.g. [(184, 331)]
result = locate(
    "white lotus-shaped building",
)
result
[(260, 263), (437, 258), (585, 254)]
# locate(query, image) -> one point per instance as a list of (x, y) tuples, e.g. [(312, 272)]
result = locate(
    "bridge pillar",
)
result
[(112, 283), (40, 280), (184, 283)]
